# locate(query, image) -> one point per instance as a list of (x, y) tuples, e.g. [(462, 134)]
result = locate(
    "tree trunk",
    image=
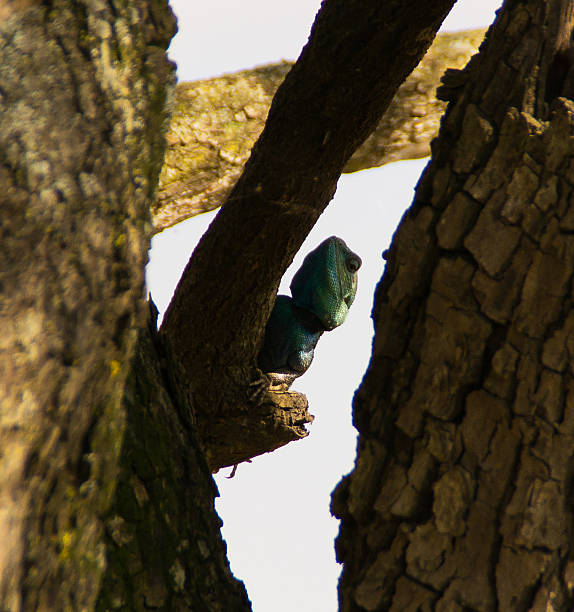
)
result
[(87, 422), (461, 494)]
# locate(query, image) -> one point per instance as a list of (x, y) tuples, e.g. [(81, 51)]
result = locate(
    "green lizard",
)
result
[(323, 290)]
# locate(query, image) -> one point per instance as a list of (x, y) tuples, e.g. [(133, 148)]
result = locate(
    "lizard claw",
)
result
[(272, 381), (281, 381), (257, 389)]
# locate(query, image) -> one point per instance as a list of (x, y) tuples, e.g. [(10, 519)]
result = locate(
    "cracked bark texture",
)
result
[(83, 90), (461, 495), (216, 122), (314, 126)]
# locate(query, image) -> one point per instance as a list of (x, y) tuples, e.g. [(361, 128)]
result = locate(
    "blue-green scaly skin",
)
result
[(326, 283), (323, 290), (289, 344)]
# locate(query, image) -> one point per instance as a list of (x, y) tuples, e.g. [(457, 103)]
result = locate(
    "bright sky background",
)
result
[(276, 509)]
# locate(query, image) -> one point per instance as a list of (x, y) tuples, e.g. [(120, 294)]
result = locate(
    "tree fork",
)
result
[(215, 321)]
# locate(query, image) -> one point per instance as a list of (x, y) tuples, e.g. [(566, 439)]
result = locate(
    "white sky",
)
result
[(276, 509)]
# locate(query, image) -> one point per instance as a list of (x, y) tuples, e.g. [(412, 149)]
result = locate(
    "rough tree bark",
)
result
[(461, 494), (162, 535), (215, 123), (83, 90), (216, 318), (461, 497)]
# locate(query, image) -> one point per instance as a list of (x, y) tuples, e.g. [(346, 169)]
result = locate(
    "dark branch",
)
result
[(357, 56)]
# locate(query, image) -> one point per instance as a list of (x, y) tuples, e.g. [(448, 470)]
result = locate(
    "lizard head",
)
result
[(326, 283)]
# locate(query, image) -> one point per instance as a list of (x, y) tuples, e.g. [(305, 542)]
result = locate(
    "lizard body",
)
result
[(323, 290)]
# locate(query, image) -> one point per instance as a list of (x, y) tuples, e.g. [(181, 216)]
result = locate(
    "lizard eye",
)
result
[(353, 263)]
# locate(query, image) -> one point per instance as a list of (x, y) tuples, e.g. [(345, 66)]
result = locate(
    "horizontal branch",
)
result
[(216, 122)]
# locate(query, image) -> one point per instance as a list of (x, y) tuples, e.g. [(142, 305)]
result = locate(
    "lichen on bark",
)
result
[(82, 92)]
